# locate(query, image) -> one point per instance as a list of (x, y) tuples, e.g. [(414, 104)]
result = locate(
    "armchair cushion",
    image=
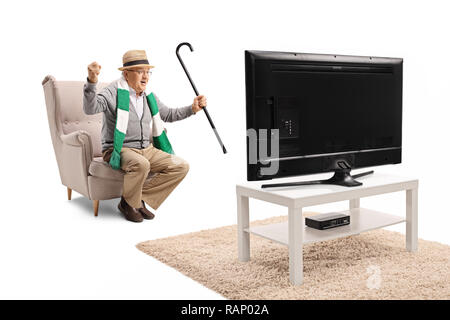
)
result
[(101, 169)]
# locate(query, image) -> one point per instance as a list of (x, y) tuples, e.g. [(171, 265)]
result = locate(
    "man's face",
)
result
[(137, 78)]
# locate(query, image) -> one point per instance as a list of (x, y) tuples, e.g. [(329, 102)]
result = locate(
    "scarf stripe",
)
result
[(158, 129), (122, 120), (160, 139)]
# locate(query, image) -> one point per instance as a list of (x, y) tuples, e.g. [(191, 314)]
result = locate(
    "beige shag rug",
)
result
[(372, 265)]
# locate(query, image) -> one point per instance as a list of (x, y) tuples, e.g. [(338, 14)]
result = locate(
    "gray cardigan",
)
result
[(138, 133)]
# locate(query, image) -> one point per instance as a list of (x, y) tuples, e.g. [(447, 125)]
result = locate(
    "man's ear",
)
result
[(125, 75)]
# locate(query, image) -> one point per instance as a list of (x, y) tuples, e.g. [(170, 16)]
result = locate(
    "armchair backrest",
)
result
[(64, 100)]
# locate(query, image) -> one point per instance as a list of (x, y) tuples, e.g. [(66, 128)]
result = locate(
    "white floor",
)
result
[(64, 252), (52, 248)]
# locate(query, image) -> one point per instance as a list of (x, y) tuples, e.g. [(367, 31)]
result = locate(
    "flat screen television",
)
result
[(312, 113)]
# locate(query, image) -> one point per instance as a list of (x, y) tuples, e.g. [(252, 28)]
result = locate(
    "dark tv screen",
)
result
[(326, 108)]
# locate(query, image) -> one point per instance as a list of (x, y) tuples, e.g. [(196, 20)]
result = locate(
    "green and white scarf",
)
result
[(160, 139)]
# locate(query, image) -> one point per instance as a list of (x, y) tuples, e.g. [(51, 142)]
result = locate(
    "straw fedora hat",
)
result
[(135, 58)]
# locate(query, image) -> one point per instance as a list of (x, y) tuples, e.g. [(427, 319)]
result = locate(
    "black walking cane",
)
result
[(196, 92)]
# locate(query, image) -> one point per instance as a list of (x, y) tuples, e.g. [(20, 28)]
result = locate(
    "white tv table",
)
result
[(294, 233)]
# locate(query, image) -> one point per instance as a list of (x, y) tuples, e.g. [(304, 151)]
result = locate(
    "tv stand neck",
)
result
[(341, 177)]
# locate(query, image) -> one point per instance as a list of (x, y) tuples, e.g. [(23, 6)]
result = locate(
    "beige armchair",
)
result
[(76, 139)]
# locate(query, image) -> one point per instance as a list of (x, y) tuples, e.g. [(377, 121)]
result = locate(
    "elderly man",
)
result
[(128, 108)]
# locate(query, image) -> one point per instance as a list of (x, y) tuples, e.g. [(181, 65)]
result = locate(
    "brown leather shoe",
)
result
[(130, 213), (146, 214)]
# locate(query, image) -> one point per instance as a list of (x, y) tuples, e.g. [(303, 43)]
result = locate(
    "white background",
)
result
[(54, 248)]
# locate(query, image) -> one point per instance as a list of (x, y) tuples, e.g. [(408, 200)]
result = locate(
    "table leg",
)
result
[(295, 222), (411, 219), (242, 224), (354, 203)]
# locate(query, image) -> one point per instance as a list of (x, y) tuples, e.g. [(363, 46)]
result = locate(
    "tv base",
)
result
[(341, 177)]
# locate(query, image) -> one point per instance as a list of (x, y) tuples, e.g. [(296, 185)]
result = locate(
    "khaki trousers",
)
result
[(138, 163)]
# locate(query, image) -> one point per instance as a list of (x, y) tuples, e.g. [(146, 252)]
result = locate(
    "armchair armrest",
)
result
[(82, 140), (74, 138)]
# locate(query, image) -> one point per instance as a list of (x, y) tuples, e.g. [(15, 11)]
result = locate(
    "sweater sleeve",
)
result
[(173, 114), (92, 102)]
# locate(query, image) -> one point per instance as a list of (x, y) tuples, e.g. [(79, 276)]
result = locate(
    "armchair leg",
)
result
[(96, 203), (69, 193)]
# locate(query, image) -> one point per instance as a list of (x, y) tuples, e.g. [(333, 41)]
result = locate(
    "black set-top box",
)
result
[(327, 220)]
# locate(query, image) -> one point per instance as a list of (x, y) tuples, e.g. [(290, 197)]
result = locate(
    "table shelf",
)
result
[(361, 220)]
